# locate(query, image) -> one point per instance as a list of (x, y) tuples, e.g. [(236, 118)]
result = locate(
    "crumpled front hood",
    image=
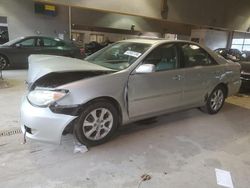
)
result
[(40, 65)]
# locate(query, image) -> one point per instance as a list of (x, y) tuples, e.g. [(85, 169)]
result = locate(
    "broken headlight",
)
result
[(43, 97)]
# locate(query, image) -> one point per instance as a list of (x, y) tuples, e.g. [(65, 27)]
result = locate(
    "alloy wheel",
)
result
[(97, 124), (3, 63), (217, 100)]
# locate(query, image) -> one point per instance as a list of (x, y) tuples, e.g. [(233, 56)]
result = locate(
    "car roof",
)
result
[(144, 40), (159, 41), (228, 49), (154, 41), (38, 36)]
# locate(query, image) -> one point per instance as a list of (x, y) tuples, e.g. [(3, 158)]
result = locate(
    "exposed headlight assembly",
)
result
[(45, 97)]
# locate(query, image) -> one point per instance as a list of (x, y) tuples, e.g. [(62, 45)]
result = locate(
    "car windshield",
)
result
[(119, 56)]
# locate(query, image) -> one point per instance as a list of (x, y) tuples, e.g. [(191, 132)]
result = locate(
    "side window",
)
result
[(49, 42), (27, 43), (39, 42), (163, 57), (193, 55)]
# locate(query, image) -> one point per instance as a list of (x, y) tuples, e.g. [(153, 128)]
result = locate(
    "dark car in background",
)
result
[(245, 73), (15, 53), (94, 46), (243, 58), (230, 54), (4, 37)]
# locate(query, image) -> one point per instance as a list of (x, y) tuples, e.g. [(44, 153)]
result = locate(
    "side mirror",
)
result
[(244, 56), (145, 68)]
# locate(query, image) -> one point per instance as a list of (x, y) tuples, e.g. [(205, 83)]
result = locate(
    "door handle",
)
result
[(177, 77)]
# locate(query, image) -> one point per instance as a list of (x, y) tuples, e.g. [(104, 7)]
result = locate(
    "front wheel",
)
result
[(215, 101), (97, 123), (3, 62)]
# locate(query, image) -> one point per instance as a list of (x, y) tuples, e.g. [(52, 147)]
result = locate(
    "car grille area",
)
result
[(28, 129)]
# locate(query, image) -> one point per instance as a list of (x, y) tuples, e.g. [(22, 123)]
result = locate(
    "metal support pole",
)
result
[(230, 39), (70, 22), (244, 41)]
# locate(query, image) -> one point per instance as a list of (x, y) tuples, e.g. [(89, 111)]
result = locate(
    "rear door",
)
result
[(200, 71), (160, 90), (51, 46)]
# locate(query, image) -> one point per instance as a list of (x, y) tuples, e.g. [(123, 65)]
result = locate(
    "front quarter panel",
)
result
[(111, 85)]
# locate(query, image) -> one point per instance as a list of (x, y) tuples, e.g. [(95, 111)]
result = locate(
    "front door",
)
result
[(21, 52), (160, 90)]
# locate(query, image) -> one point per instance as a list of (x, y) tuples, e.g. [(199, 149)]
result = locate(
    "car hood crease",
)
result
[(40, 65)]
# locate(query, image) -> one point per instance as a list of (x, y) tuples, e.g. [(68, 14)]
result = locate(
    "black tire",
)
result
[(80, 131), (210, 104), (4, 62)]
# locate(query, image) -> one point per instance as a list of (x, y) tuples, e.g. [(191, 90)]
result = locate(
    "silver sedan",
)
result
[(125, 82)]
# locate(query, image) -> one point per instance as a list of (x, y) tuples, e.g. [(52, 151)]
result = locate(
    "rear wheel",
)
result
[(3, 62), (97, 123), (215, 101)]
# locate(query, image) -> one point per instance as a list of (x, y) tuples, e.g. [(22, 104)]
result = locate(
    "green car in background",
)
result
[(15, 53)]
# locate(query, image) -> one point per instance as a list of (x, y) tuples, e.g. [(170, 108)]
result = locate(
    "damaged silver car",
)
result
[(125, 82)]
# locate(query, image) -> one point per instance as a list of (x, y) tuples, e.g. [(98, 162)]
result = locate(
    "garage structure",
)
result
[(225, 20), (183, 149)]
